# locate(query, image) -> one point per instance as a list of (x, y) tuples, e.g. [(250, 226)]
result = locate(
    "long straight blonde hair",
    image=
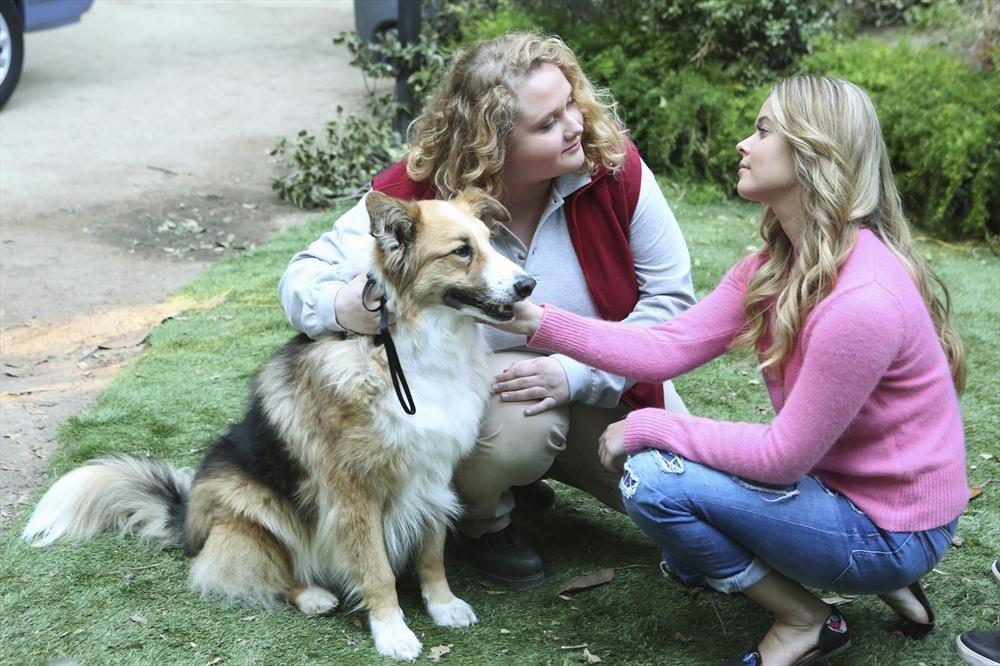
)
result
[(842, 165), (462, 136)]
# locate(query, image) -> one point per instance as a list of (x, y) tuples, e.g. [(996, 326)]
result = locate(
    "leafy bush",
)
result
[(358, 146), (754, 40), (685, 96), (878, 13), (686, 120), (686, 75), (941, 121), (690, 77)]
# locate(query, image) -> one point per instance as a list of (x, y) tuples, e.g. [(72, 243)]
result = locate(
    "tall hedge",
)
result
[(941, 121), (690, 76)]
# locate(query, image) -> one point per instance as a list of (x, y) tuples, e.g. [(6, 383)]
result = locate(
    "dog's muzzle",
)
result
[(491, 307)]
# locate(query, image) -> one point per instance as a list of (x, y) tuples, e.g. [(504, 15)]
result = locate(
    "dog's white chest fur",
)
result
[(448, 374), (449, 387)]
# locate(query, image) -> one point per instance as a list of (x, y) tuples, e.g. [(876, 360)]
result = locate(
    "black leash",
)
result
[(383, 338)]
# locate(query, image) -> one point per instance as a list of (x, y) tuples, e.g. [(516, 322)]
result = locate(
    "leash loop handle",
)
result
[(384, 338), (395, 369), (364, 296)]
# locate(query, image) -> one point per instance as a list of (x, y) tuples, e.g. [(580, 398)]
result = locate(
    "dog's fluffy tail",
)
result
[(127, 495)]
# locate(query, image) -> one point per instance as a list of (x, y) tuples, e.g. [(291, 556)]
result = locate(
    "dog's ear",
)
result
[(392, 222), (485, 207)]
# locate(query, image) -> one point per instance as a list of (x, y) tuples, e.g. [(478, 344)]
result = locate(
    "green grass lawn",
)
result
[(112, 601)]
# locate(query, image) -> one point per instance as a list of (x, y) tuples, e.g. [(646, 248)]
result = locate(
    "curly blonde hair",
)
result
[(843, 168), (462, 136)]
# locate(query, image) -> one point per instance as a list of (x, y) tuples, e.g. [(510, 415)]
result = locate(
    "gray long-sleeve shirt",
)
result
[(313, 278)]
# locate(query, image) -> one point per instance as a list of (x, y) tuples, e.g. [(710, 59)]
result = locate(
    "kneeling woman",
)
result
[(857, 483)]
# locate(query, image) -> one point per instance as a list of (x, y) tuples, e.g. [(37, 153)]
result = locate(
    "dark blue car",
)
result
[(20, 16)]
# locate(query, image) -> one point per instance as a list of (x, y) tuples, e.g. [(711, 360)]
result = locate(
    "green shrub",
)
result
[(686, 94), (359, 146), (754, 39), (690, 76), (355, 149), (878, 13), (941, 121), (502, 16), (687, 121)]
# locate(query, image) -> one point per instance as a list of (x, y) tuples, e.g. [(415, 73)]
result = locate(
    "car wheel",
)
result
[(11, 49)]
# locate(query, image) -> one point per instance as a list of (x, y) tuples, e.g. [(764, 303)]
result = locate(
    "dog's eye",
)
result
[(463, 251)]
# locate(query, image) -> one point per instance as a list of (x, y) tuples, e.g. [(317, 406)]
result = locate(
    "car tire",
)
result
[(11, 49)]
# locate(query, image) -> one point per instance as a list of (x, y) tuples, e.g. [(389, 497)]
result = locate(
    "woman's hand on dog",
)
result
[(527, 317), (611, 446), (540, 379), (353, 313)]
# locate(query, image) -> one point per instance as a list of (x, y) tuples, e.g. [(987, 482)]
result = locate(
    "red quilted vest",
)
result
[(602, 248)]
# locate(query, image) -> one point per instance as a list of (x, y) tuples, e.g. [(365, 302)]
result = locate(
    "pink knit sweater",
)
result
[(866, 401)]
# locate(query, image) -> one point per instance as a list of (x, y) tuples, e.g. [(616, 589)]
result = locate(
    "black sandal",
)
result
[(834, 638), (911, 628)]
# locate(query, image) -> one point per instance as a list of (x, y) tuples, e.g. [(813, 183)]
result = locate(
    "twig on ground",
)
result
[(722, 624)]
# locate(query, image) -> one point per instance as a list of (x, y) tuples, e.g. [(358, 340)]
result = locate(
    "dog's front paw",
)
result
[(455, 613), (394, 639), (316, 601)]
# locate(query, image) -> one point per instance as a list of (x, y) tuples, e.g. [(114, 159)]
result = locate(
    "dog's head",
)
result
[(439, 252)]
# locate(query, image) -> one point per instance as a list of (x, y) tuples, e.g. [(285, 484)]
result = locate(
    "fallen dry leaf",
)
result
[(590, 657), (975, 491), (138, 619), (505, 631), (439, 651), (356, 622), (586, 582)]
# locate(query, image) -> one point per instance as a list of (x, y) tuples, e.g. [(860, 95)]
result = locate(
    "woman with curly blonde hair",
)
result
[(857, 483), (516, 117), (462, 137)]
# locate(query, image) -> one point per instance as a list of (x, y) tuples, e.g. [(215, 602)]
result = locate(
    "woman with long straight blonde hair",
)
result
[(516, 117), (857, 483)]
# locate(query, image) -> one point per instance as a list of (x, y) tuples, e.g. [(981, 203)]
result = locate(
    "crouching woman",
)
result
[(857, 483)]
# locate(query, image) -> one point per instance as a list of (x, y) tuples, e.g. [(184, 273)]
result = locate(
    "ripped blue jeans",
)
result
[(726, 532)]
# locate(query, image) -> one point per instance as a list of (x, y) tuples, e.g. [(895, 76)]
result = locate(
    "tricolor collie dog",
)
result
[(328, 488)]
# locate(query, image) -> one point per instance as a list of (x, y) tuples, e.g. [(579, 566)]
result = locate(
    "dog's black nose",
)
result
[(524, 286)]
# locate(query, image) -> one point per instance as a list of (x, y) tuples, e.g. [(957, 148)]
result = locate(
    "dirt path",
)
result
[(132, 156)]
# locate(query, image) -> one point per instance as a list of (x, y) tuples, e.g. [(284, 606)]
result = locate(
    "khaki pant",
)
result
[(515, 450)]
